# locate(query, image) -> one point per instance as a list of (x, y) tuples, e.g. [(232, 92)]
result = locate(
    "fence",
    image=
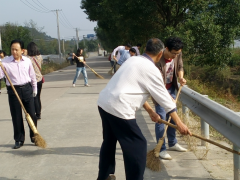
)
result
[(219, 117)]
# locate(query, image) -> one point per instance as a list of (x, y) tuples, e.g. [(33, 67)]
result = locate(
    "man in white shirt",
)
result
[(137, 49), (126, 92)]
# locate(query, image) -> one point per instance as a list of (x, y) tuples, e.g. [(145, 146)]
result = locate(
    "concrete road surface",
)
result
[(72, 128)]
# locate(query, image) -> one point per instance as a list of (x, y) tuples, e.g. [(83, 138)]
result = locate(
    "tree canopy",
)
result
[(207, 27)]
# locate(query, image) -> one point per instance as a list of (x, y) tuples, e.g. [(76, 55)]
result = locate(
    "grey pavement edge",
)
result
[(71, 126)]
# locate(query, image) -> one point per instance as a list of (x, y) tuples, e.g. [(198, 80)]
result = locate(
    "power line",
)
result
[(43, 5), (62, 13), (32, 7), (36, 7)]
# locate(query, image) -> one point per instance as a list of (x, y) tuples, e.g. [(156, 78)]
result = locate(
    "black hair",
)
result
[(79, 52), (139, 45), (19, 42), (133, 50), (128, 45), (154, 46), (32, 49), (1, 51), (174, 43)]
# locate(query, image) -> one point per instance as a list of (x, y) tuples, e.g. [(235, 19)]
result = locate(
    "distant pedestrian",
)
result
[(123, 54), (126, 92), (22, 75), (137, 49), (2, 55), (70, 58), (37, 61), (80, 61)]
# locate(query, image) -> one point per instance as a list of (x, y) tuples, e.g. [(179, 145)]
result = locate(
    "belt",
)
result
[(119, 64), (19, 86)]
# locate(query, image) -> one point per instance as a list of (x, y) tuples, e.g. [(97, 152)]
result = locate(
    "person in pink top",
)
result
[(23, 77)]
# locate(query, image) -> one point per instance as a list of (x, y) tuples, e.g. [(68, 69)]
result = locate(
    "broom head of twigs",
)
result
[(39, 141), (110, 72), (96, 74), (153, 161)]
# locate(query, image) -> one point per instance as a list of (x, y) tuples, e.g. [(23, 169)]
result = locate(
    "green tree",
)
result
[(207, 27), (10, 32)]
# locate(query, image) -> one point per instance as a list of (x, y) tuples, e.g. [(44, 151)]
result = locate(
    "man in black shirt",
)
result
[(80, 61)]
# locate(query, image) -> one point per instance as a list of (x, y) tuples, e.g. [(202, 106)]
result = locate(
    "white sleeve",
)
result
[(155, 86)]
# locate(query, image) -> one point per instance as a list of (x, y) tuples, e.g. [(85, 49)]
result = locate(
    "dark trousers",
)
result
[(132, 142), (37, 99), (26, 95)]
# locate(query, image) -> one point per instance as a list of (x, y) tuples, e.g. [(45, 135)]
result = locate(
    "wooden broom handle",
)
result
[(6, 74), (202, 138), (169, 119)]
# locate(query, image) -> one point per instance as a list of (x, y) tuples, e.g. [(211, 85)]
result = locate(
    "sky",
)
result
[(70, 18)]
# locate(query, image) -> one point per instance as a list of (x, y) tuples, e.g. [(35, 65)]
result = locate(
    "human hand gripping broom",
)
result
[(153, 161), (38, 140), (96, 74)]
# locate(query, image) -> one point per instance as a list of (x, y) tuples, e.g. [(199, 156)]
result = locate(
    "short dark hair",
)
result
[(1, 51), (139, 45), (154, 46), (174, 43), (19, 42), (133, 50), (32, 49), (128, 45)]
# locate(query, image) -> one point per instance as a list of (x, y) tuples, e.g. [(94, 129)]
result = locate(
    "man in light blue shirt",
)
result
[(124, 55)]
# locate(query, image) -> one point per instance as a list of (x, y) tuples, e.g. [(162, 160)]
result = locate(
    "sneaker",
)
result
[(73, 85), (87, 85), (165, 155), (111, 177), (177, 147)]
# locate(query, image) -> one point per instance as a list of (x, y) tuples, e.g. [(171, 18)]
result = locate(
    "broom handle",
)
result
[(202, 138), (169, 119), (6, 74)]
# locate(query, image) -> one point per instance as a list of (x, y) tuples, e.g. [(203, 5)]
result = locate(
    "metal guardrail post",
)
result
[(236, 163), (204, 129), (185, 112)]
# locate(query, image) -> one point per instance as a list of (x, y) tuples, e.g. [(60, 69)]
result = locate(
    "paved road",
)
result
[(72, 128)]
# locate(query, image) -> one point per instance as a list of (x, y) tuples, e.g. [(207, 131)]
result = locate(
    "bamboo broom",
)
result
[(96, 74), (153, 161), (110, 71), (38, 140)]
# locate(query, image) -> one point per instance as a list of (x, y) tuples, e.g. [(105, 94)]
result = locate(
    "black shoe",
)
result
[(38, 117), (32, 140), (18, 144)]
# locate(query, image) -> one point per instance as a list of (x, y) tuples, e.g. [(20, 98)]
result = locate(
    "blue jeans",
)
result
[(83, 71), (159, 128)]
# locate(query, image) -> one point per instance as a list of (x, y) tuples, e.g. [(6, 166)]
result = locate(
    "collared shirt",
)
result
[(20, 72), (117, 49), (124, 55), (131, 86), (137, 50), (39, 60)]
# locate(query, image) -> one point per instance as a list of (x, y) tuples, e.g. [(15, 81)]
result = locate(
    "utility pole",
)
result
[(63, 47), (77, 40), (59, 46), (83, 41)]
